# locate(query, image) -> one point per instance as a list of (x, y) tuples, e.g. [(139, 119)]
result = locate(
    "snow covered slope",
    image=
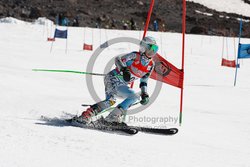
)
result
[(229, 6), (215, 130)]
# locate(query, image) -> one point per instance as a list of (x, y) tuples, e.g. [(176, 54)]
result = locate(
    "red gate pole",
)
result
[(148, 17), (146, 25), (183, 53)]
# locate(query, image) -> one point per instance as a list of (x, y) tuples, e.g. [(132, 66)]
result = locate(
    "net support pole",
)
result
[(183, 53), (66, 50), (51, 46), (237, 60)]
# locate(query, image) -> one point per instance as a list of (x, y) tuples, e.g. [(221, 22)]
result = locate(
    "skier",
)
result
[(129, 67)]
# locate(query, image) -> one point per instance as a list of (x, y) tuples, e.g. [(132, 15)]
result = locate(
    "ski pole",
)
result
[(87, 105), (69, 71), (76, 72)]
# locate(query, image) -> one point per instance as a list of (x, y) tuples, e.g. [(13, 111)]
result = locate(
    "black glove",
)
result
[(126, 74), (144, 98)]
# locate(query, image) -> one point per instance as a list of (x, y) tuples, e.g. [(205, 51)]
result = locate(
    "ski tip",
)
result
[(132, 131), (173, 131)]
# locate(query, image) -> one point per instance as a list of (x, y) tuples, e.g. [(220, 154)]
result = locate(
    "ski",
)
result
[(99, 125), (135, 129), (159, 131), (102, 125)]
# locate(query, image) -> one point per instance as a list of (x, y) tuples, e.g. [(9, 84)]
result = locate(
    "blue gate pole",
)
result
[(237, 60)]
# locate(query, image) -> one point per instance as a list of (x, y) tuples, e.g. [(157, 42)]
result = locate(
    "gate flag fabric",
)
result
[(228, 63), (244, 51), (166, 72), (50, 39), (87, 47), (61, 34), (104, 45)]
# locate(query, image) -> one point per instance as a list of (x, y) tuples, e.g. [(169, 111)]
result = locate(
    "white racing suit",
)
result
[(115, 86)]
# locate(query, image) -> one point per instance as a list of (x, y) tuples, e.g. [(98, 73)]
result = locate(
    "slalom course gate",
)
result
[(105, 44), (49, 38), (165, 71), (85, 45), (226, 61), (63, 34), (243, 52)]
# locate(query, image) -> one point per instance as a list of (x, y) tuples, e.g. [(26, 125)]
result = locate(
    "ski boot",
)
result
[(116, 115), (85, 117), (94, 110)]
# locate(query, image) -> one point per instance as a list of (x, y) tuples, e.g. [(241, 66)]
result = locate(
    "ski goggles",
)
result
[(151, 50)]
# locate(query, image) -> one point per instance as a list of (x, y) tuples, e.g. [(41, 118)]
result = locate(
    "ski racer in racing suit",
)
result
[(129, 67)]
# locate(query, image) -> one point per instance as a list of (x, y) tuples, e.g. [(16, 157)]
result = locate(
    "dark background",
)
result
[(115, 13)]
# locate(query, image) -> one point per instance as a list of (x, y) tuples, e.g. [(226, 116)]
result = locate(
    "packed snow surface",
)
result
[(216, 121)]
